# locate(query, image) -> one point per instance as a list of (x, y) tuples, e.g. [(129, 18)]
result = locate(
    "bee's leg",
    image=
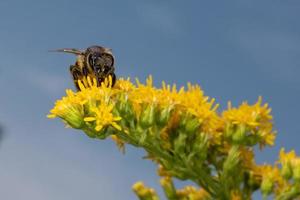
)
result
[(76, 74), (85, 71)]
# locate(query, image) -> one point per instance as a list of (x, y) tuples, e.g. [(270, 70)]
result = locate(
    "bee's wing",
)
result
[(69, 50)]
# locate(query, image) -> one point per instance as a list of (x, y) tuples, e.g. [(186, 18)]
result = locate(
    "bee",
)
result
[(96, 62)]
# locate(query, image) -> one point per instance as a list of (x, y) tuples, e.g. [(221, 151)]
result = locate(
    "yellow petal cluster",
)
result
[(191, 100), (95, 104), (290, 164), (102, 115), (256, 118), (190, 192), (183, 131), (92, 104), (285, 158), (70, 109), (143, 192)]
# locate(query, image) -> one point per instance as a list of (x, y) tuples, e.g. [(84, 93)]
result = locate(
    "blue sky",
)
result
[(236, 50)]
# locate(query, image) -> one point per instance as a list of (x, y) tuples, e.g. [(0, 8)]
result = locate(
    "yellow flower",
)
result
[(102, 115), (286, 157), (186, 124), (270, 178), (290, 164), (256, 118), (90, 99), (124, 85), (191, 100), (194, 101), (69, 109), (144, 192), (91, 92), (251, 115), (190, 192)]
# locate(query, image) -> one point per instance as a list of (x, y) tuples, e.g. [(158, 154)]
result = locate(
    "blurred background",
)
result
[(236, 50)]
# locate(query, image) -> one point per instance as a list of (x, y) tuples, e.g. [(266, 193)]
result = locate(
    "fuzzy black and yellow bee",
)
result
[(96, 62)]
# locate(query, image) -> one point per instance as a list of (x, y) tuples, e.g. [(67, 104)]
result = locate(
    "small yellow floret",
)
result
[(103, 117), (256, 118)]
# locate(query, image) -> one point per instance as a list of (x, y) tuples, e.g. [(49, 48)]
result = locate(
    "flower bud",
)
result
[(72, 116), (296, 169), (75, 122), (143, 192), (240, 134), (125, 109), (168, 187), (228, 130), (267, 185), (286, 170), (180, 143), (138, 186), (147, 116), (200, 147), (189, 123), (120, 105), (232, 160), (164, 116), (192, 125)]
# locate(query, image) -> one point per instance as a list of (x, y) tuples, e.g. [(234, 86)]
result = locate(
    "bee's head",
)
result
[(99, 58), (98, 49)]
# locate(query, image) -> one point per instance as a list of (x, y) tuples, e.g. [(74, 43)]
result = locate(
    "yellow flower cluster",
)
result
[(190, 192), (91, 106), (143, 192), (191, 100), (69, 109), (282, 179), (183, 131), (255, 120), (290, 164), (100, 103)]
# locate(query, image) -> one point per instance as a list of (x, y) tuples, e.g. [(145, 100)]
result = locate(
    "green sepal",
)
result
[(147, 116)]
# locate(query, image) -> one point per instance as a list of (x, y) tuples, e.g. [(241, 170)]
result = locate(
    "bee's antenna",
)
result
[(67, 50)]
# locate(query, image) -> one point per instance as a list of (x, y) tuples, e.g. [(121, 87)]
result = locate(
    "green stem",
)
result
[(206, 181)]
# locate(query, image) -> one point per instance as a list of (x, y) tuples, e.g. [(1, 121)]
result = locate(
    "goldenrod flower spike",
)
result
[(187, 136)]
